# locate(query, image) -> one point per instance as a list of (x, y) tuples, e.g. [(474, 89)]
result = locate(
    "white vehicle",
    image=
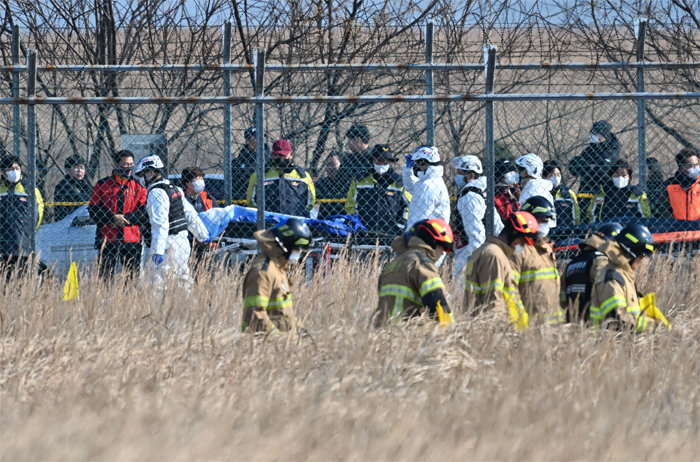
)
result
[(67, 240)]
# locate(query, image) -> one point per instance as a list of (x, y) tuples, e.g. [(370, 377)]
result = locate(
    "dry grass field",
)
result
[(128, 375)]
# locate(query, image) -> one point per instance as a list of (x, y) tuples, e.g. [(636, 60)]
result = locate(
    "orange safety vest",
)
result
[(685, 204)]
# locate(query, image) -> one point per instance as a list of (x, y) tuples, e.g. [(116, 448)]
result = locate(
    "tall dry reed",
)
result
[(130, 374)]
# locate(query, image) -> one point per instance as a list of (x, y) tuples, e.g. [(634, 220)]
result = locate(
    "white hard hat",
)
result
[(531, 163), (468, 163), (429, 153), (148, 162)]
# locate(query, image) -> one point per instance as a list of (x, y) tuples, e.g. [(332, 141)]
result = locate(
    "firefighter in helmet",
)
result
[(536, 268), (490, 279), (410, 285), (614, 298), (580, 272), (267, 296)]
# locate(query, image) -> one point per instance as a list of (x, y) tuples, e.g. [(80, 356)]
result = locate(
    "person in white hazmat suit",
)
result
[(471, 209), (422, 177), (530, 168), (171, 217)]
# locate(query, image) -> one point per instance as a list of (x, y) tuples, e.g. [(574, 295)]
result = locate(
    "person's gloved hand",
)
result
[(157, 259), (409, 160)]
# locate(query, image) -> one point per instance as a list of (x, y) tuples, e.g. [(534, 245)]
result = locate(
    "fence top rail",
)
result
[(359, 66), (361, 99)]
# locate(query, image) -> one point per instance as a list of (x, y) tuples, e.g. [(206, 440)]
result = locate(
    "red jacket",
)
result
[(506, 198), (111, 196)]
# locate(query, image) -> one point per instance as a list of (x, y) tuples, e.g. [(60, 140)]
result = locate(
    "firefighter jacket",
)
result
[(267, 298), (290, 191), (112, 196), (380, 200), (430, 198), (506, 198), (579, 275), (16, 228), (490, 279), (201, 202), (566, 205), (70, 189), (612, 202), (614, 299), (683, 197), (537, 277), (410, 284)]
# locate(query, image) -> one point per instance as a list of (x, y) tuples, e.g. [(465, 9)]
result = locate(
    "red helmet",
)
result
[(523, 223), (434, 232)]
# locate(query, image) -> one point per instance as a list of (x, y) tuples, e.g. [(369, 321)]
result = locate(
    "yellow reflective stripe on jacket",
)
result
[(399, 290), (255, 300), (430, 285), (269, 304), (536, 275), (642, 323), (557, 317), (599, 313), (488, 286), (400, 293)]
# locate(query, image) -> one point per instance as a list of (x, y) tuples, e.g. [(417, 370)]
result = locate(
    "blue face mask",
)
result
[(460, 181)]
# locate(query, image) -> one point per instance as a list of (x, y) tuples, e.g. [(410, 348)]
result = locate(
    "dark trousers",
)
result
[(19, 264), (126, 253)]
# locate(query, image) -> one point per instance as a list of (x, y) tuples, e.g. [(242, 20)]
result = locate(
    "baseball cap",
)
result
[(251, 132), (383, 150), (282, 148)]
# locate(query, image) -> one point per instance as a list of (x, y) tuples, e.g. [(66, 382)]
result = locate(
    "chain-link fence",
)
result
[(600, 143)]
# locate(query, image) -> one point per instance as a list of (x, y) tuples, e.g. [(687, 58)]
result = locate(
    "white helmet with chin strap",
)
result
[(468, 164), (427, 153), (531, 163), (147, 163)]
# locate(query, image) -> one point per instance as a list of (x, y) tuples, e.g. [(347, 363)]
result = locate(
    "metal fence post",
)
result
[(31, 143), (16, 116), (430, 111), (260, 135), (228, 173), (490, 68), (640, 32)]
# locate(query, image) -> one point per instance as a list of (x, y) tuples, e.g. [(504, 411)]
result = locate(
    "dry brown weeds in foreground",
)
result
[(126, 375)]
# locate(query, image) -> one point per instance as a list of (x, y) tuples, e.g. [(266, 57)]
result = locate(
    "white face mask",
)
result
[(198, 186), (543, 230), (294, 256), (512, 177), (13, 176), (694, 172), (142, 181), (595, 139), (381, 169), (621, 181), (460, 181), (519, 249), (556, 181), (420, 173)]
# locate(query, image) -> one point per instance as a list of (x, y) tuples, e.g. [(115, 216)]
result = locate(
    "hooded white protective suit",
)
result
[(430, 197), (175, 248), (536, 187), (472, 209)]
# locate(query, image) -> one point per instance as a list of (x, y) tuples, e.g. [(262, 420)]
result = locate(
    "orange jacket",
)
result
[(685, 204)]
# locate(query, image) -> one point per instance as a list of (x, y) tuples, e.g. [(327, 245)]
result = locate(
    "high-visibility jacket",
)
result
[(381, 201), (290, 191), (267, 296), (614, 300), (113, 196), (537, 277), (612, 202), (490, 280), (16, 228), (578, 278), (566, 205), (410, 284), (684, 201)]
